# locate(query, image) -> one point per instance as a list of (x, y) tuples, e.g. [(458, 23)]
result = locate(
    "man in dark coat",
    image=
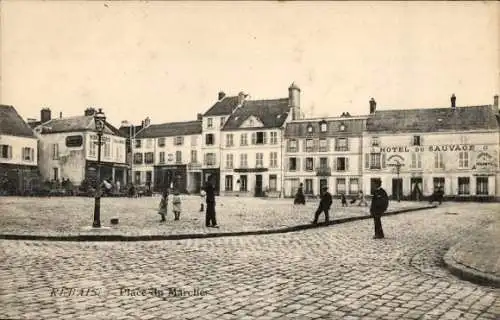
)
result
[(437, 196), (324, 205), (210, 220), (380, 203), (299, 196)]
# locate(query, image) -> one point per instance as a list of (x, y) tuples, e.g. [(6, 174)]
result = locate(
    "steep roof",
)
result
[(434, 119), (12, 124), (272, 113), (171, 129), (223, 107), (76, 124), (352, 127)]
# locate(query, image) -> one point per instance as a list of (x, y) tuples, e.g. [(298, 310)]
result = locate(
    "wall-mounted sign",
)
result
[(103, 139), (485, 160), (431, 148), (74, 141)]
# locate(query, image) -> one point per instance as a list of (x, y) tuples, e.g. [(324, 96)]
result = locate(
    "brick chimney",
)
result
[(221, 95), (495, 100), (45, 115), (241, 97), (199, 116), (147, 122), (373, 106), (453, 100), (89, 111), (294, 100)]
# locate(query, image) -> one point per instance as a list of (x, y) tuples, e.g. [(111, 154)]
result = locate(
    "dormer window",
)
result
[(342, 127), (375, 142), (323, 126), (309, 129)]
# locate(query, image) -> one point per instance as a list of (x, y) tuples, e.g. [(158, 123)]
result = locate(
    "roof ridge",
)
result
[(438, 108)]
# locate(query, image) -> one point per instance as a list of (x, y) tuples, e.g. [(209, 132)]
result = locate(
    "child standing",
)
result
[(176, 201), (343, 199), (163, 209), (203, 194)]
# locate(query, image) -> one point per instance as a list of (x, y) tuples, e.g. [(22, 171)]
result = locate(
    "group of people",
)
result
[(379, 204)]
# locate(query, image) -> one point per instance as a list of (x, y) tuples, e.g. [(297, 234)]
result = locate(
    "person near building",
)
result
[(163, 207), (203, 195), (437, 196), (299, 196), (380, 203), (210, 218), (362, 201), (343, 199), (176, 204), (324, 205)]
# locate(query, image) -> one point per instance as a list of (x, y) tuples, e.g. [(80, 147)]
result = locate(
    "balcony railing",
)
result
[(323, 171)]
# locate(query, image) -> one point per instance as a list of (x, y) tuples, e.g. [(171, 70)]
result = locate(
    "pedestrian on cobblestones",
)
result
[(299, 196), (176, 205), (379, 205), (343, 199), (324, 205), (210, 219), (163, 208), (203, 194)]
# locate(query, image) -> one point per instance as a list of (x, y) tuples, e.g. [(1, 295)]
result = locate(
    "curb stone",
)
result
[(111, 237)]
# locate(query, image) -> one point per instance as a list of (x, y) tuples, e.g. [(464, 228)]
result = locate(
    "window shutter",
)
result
[(327, 145), (205, 159), (334, 164), (316, 145), (346, 164), (367, 160), (288, 145), (347, 144), (383, 160), (9, 152), (305, 145), (264, 137), (297, 164), (254, 138), (32, 154), (421, 140)]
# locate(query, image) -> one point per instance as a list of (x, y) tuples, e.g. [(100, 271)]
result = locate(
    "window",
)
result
[(148, 158), (259, 160), (179, 141), (107, 150), (28, 154), (482, 186), (323, 145), (292, 146), (292, 164), (137, 177), (375, 161), (210, 159), (353, 185), (229, 161), (56, 173), (438, 160), (341, 164), (178, 156), (323, 163), (463, 159), (162, 157), (243, 139), (243, 183), (229, 140), (92, 149), (309, 129), (416, 141), (274, 138), (341, 186), (259, 138), (210, 123), (229, 181), (273, 160), (149, 143), (194, 156), (194, 141), (463, 185), (222, 120), (55, 150), (438, 183), (149, 176), (209, 139), (243, 160), (5, 151), (309, 145), (416, 160), (309, 164), (273, 182), (323, 127), (138, 143), (137, 158), (341, 144), (308, 186), (375, 142), (161, 142), (74, 141), (342, 127)]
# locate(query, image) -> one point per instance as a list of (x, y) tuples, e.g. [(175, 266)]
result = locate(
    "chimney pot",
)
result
[(199, 116), (60, 115), (89, 111), (453, 100), (221, 95), (373, 106), (495, 100), (241, 97), (45, 115)]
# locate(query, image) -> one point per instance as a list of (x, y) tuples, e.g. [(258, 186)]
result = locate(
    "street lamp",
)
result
[(100, 120)]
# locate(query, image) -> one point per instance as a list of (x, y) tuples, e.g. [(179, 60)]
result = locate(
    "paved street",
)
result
[(337, 272), (70, 215)]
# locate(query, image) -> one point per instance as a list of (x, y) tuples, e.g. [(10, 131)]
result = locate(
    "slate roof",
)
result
[(434, 119), (12, 124), (223, 107), (272, 114), (352, 127), (171, 129), (75, 124)]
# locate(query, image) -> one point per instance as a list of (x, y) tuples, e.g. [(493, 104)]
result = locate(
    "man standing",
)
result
[(379, 205), (324, 205), (210, 220)]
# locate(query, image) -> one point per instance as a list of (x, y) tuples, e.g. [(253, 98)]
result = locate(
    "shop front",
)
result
[(170, 176), (116, 172)]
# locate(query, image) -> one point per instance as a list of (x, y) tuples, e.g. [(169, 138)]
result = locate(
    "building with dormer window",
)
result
[(416, 152), (324, 152)]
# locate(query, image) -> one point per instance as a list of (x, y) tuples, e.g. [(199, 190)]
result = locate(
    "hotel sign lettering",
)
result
[(431, 148)]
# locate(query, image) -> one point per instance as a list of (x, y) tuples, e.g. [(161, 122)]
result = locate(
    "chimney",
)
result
[(89, 111), (147, 122), (125, 123), (294, 100), (241, 97), (60, 115), (453, 100), (45, 115), (199, 116), (221, 95), (495, 100), (373, 106)]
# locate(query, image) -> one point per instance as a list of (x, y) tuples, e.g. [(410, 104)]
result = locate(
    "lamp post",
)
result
[(100, 120)]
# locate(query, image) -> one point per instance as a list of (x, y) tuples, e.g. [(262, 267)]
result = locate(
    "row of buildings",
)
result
[(268, 147)]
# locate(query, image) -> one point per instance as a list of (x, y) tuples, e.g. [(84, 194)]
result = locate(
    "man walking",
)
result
[(210, 220), (324, 205), (379, 205)]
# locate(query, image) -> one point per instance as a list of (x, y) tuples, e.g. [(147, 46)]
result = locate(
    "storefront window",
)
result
[(463, 185), (482, 186)]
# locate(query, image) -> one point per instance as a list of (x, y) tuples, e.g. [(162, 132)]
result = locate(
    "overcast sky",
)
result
[(168, 60)]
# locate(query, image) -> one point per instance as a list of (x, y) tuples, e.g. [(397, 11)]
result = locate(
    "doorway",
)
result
[(258, 185), (397, 188), (416, 188)]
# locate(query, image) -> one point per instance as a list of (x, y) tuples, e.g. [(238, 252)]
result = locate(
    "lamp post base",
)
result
[(92, 228)]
